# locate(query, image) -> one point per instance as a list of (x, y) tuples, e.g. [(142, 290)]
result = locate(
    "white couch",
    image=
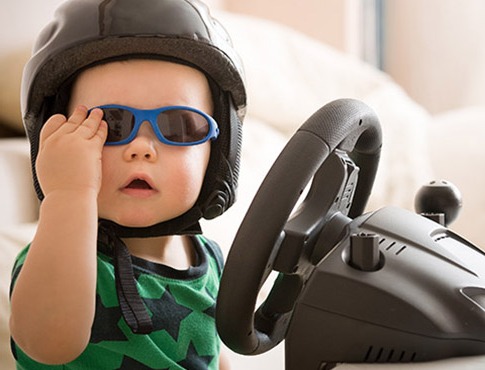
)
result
[(289, 76)]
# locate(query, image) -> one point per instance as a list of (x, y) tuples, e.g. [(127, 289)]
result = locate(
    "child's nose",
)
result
[(143, 145)]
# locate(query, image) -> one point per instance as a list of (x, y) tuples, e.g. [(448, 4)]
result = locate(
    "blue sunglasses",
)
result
[(173, 125)]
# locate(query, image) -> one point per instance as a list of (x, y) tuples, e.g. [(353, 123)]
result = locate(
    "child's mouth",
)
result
[(139, 184), (139, 188)]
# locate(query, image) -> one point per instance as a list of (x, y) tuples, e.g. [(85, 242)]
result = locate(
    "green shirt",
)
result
[(182, 304)]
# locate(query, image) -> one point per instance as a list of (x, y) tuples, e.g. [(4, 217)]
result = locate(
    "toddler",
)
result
[(133, 109)]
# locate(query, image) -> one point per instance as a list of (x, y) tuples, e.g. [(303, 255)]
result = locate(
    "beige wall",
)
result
[(435, 49), (326, 20)]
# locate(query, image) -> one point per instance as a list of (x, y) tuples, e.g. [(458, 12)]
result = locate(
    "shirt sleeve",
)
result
[(17, 267)]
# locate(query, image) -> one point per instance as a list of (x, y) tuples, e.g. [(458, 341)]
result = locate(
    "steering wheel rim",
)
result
[(345, 124)]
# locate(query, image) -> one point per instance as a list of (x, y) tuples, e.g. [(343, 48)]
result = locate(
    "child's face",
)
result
[(174, 173)]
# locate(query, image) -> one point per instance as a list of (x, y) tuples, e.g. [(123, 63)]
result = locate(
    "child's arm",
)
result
[(224, 363), (53, 300)]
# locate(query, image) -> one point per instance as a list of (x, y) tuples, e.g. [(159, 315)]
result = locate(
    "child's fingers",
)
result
[(91, 125), (59, 121), (52, 125), (74, 121), (85, 127), (78, 116), (102, 131)]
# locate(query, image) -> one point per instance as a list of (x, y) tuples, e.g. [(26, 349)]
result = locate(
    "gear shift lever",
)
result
[(439, 200)]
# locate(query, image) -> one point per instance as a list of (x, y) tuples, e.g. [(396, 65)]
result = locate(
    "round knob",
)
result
[(439, 197)]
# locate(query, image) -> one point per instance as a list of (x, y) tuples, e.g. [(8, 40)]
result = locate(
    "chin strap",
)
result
[(132, 307)]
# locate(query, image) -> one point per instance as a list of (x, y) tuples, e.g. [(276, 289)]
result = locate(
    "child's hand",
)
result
[(70, 151)]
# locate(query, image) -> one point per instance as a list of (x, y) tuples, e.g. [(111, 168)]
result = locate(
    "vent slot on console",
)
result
[(383, 355), (391, 246)]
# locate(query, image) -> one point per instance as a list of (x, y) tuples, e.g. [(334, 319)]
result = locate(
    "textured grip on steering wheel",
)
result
[(346, 124)]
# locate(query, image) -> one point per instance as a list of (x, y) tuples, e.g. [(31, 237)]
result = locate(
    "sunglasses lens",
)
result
[(120, 123), (183, 126)]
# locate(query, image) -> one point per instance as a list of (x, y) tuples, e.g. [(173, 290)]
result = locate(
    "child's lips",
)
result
[(139, 186)]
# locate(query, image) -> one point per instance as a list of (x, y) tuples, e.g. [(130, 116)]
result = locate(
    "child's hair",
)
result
[(85, 33)]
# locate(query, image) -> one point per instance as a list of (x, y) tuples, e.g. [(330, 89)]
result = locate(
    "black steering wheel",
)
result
[(341, 139)]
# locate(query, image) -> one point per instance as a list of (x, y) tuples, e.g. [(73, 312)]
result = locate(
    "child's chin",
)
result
[(140, 219)]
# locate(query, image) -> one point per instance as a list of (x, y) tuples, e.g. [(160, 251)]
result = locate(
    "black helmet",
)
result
[(85, 33)]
